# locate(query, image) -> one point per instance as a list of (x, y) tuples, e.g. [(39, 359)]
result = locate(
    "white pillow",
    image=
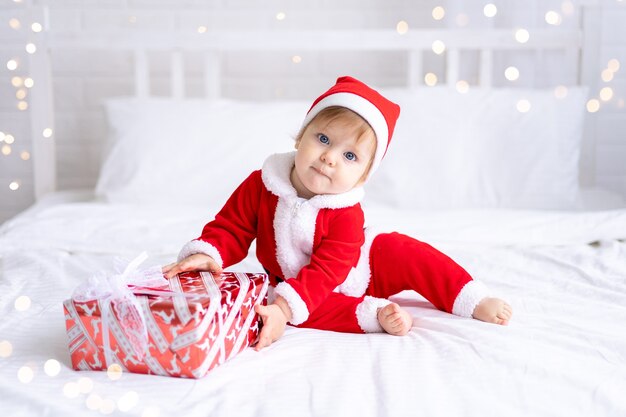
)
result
[(168, 152), (477, 150)]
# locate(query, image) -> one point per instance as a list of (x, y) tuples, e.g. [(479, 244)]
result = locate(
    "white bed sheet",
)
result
[(563, 354)]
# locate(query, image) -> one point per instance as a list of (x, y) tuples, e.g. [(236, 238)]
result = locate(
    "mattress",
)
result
[(564, 352)]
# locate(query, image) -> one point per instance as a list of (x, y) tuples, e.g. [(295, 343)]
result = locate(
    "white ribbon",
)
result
[(115, 289)]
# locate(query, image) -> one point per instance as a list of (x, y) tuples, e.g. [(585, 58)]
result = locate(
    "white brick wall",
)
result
[(82, 79)]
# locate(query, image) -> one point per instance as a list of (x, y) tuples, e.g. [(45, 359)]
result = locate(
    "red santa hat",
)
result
[(380, 113)]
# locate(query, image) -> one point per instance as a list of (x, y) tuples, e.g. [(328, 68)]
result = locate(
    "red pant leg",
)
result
[(399, 262), (337, 313)]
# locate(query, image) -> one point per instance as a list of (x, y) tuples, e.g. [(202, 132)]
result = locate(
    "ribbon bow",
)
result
[(116, 289)]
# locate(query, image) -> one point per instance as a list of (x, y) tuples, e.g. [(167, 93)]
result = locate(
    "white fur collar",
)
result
[(276, 177)]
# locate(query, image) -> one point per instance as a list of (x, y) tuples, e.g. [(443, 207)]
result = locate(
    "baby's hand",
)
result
[(275, 317), (493, 310), (196, 262)]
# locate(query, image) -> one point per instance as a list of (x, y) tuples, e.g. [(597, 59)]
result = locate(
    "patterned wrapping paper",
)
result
[(188, 334)]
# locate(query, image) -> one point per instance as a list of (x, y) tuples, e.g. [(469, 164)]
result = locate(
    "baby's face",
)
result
[(330, 159)]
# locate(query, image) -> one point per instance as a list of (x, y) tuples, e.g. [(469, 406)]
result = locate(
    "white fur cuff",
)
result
[(468, 298), (200, 246), (299, 310), (367, 314)]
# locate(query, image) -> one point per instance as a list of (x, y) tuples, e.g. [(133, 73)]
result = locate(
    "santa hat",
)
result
[(380, 113)]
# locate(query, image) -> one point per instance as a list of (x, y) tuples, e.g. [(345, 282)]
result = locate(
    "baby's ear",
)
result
[(297, 144)]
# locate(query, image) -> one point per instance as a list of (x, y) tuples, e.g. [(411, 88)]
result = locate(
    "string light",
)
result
[(553, 18), (22, 303), (6, 349), (438, 47), (402, 27), (490, 10), (522, 35), (2, 136), (22, 105), (25, 374), (36, 27), (462, 86), (202, 29), (28, 83), (6, 150), (511, 73), (523, 106), (296, 59), (606, 94), (560, 92), (25, 155), (607, 75), (17, 82), (593, 105), (31, 48), (15, 24), (12, 64), (114, 372), (47, 133), (9, 139), (430, 79), (20, 94), (52, 367), (438, 13), (281, 16), (613, 65)]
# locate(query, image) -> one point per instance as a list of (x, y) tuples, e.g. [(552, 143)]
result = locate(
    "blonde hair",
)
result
[(349, 118)]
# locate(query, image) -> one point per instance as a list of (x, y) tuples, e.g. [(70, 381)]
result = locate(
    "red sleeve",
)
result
[(228, 237), (331, 261)]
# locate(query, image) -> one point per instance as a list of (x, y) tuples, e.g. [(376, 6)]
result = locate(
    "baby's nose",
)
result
[(329, 158)]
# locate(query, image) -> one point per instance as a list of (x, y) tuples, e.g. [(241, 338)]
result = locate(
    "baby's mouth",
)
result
[(319, 171)]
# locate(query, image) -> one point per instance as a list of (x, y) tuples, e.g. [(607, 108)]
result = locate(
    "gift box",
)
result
[(181, 327)]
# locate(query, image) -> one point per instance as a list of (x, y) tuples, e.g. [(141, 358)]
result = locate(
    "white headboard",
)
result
[(578, 46)]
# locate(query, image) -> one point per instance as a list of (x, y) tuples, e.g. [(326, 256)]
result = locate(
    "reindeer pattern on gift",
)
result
[(167, 318), (88, 311)]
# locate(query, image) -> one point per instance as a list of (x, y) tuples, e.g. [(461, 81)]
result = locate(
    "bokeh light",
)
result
[(593, 105), (490, 10), (25, 374), (6, 349), (52, 367), (402, 27), (22, 303), (114, 371), (523, 106)]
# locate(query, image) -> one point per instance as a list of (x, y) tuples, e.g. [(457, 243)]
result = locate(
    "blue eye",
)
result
[(324, 139), (350, 156)]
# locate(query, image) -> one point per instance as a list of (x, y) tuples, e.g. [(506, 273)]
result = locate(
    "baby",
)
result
[(329, 272)]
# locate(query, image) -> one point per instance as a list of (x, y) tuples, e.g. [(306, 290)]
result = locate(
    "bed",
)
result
[(494, 187)]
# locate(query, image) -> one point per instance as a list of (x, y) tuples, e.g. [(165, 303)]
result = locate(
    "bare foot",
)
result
[(493, 310), (394, 319)]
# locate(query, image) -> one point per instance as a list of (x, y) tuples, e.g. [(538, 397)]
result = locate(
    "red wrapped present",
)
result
[(180, 327)]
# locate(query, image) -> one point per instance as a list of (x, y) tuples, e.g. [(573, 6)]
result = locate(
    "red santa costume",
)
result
[(333, 273)]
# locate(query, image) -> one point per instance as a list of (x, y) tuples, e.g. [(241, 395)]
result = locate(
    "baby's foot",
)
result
[(395, 320), (493, 310)]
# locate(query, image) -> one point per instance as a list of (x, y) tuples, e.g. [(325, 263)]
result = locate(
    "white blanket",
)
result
[(564, 353)]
